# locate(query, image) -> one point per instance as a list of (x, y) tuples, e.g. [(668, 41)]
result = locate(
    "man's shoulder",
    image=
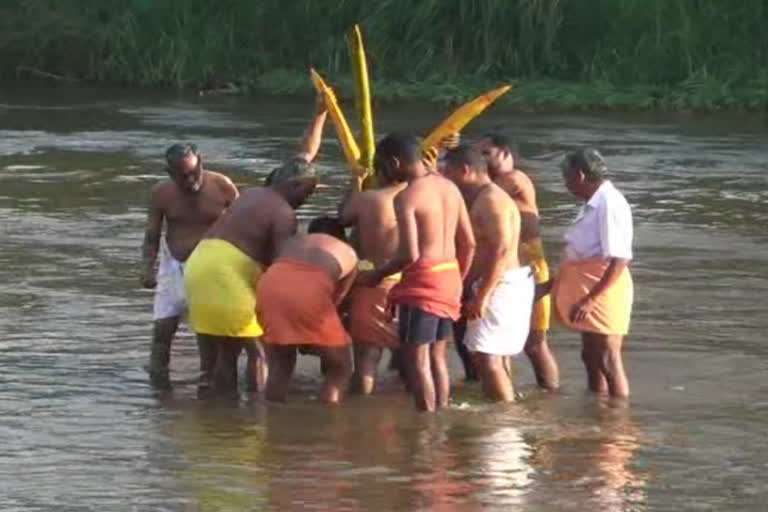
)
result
[(165, 190)]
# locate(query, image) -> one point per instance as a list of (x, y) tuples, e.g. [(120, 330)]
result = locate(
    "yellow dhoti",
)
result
[(613, 307), (220, 282), (542, 309)]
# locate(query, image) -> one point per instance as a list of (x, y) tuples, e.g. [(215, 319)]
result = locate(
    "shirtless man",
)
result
[(188, 205), (500, 156), (500, 295), (298, 299), (372, 213), (221, 274), (435, 249)]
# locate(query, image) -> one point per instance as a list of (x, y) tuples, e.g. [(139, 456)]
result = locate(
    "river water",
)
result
[(82, 429)]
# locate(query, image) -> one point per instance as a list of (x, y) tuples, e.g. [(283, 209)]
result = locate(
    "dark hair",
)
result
[(466, 154), (587, 160), (178, 152), (502, 142), (403, 146), (328, 226)]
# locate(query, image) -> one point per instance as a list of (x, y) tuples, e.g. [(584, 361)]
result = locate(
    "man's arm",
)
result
[(500, 233), (344, 286), (465, 239), (408, 248), (349, 211), (151, 244), (284, 227), (313, 136), (229, 190)]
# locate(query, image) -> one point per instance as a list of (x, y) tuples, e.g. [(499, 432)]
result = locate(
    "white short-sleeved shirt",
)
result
[(603, 228)]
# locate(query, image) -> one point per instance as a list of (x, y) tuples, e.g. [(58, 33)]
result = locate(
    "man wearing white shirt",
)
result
[(593, 291)]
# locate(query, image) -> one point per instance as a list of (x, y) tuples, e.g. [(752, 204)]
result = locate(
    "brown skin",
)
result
[(496, 225), (501, 166), (601, 353), (433, 223), (339, 260), (189, 205), (372, 214), (258, 223)]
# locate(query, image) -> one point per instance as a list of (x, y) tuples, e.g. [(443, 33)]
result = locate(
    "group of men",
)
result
[(439, 251)]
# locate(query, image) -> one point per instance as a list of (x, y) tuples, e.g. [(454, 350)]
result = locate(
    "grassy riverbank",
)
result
[(668, 54)]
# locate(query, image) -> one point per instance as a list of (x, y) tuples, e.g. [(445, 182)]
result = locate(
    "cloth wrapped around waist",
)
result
[(296, 306), (613, 307), (219, 280), (533, 254), (432, 286), (369, 322)]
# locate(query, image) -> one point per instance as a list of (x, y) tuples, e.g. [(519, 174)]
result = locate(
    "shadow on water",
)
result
[(83, 429)]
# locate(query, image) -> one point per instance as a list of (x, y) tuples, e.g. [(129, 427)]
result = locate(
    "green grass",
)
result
[(564, 53)]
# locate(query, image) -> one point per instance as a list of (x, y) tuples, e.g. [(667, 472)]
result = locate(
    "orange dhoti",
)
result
[(298, 306), (613, 307), (369, 322)]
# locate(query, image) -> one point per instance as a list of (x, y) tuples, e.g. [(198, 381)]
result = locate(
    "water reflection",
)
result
[(597, 461)]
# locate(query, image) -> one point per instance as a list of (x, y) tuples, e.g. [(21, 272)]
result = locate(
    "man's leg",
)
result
[(225, 374), (256, 369), (163, 331), (494, 379), (281, 360), (367, 359), (338, 365), (417, 330), (422, 384), (612, 364), (208, 349), (440, 375), (543, 361), (459, 329), (591, 356)]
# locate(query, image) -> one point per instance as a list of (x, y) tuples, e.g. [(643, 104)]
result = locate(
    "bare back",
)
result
[(189, 216), (258, 223), (435, 205), (520, 188), (372, 212), (496, 223), (333, 255)]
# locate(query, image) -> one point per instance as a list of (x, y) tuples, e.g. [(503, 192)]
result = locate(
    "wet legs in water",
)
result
[(543, 361), (338, 368), (336, 361), (602, 358), (494, 376), (256, 369), (459, 328), (429, 379), (163, 331), (218, 362), (367, 359)]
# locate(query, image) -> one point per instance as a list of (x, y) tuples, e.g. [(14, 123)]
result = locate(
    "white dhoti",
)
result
[(170, 299), (503, 329)]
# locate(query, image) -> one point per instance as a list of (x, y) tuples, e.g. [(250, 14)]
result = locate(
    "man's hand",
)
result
[(582, 309), (320, 106), (542, 289), (148, 278), (476, 307)]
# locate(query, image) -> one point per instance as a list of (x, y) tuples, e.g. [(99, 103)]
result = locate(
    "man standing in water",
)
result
[(435, 249), (188, 205), (500, 291), (221, 275), (372, 213), (500, 156)]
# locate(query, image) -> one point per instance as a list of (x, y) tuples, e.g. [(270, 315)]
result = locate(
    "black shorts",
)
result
[(418, 327)]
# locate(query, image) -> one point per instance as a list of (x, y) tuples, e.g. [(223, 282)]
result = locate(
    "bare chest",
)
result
[(196, 210)]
